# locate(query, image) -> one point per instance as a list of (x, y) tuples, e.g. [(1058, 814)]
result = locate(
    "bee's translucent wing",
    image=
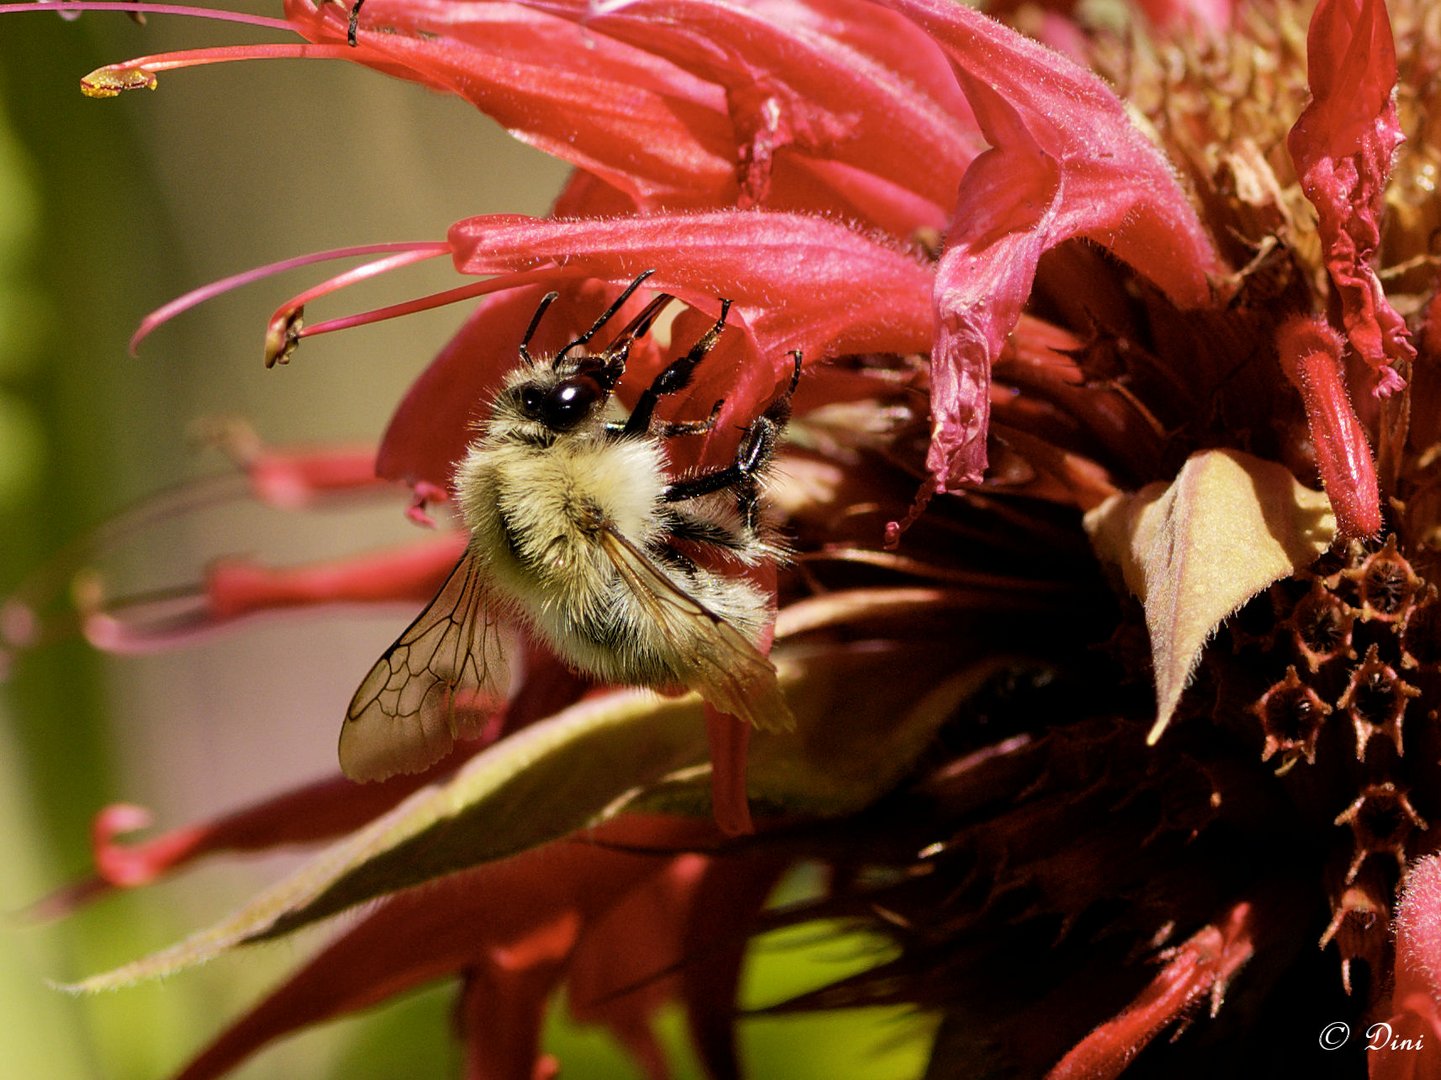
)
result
[(727, 670), (440, 681)]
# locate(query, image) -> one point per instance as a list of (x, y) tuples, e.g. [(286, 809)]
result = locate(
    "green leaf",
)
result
[(1196, 550), (864, 710), (535, 785)]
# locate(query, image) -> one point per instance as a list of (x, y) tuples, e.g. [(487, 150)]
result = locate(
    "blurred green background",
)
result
[(107, 210)]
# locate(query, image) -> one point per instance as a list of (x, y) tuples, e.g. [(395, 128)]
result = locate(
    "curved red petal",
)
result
[(1310, 353), (1066, 161), (1202, 968), (238, 587)]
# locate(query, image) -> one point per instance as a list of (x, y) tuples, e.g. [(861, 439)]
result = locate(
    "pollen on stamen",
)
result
[(140, 74), (413, 251), (282, 336), (114, 79)]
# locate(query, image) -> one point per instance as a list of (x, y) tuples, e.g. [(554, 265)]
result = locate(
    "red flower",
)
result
[(1025, 298)]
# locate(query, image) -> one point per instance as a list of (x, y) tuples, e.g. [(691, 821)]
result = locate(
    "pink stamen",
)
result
[(287, 324), (73, 7), (146, 624), (161, 315), (410, 307), (425, 494), (113, 79), (416, 253)]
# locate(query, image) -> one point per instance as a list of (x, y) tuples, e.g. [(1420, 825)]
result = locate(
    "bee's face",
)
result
[(542, 401)]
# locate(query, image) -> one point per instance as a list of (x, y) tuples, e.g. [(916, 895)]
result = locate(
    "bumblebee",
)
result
[(580, 534)]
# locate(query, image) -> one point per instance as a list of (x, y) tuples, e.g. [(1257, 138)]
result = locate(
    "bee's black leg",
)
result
[(353, 29), (676, 376), (669, 430), (757, 447)]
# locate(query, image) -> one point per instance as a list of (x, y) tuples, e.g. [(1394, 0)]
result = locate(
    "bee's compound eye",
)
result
[(531, 400), (569, 403)]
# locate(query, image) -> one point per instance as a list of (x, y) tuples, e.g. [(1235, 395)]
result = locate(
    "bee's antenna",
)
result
[(545, 302), (606, 315)]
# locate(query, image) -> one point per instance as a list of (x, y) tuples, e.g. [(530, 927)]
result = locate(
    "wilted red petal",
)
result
[(1416, 1002), (1201, 968), (1310, 353), (1066, 161), (1342, 146)]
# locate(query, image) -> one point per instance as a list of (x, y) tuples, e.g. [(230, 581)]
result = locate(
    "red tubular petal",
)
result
[(239, 587), (1203, 967), (1310, 353), (1342, 147), (502, 1005), (1416, 1002), (805, 282), (621, 978), (319, 811), (642, 124), (1066, 162), (834, 80), (292, 478), (729, 739)]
